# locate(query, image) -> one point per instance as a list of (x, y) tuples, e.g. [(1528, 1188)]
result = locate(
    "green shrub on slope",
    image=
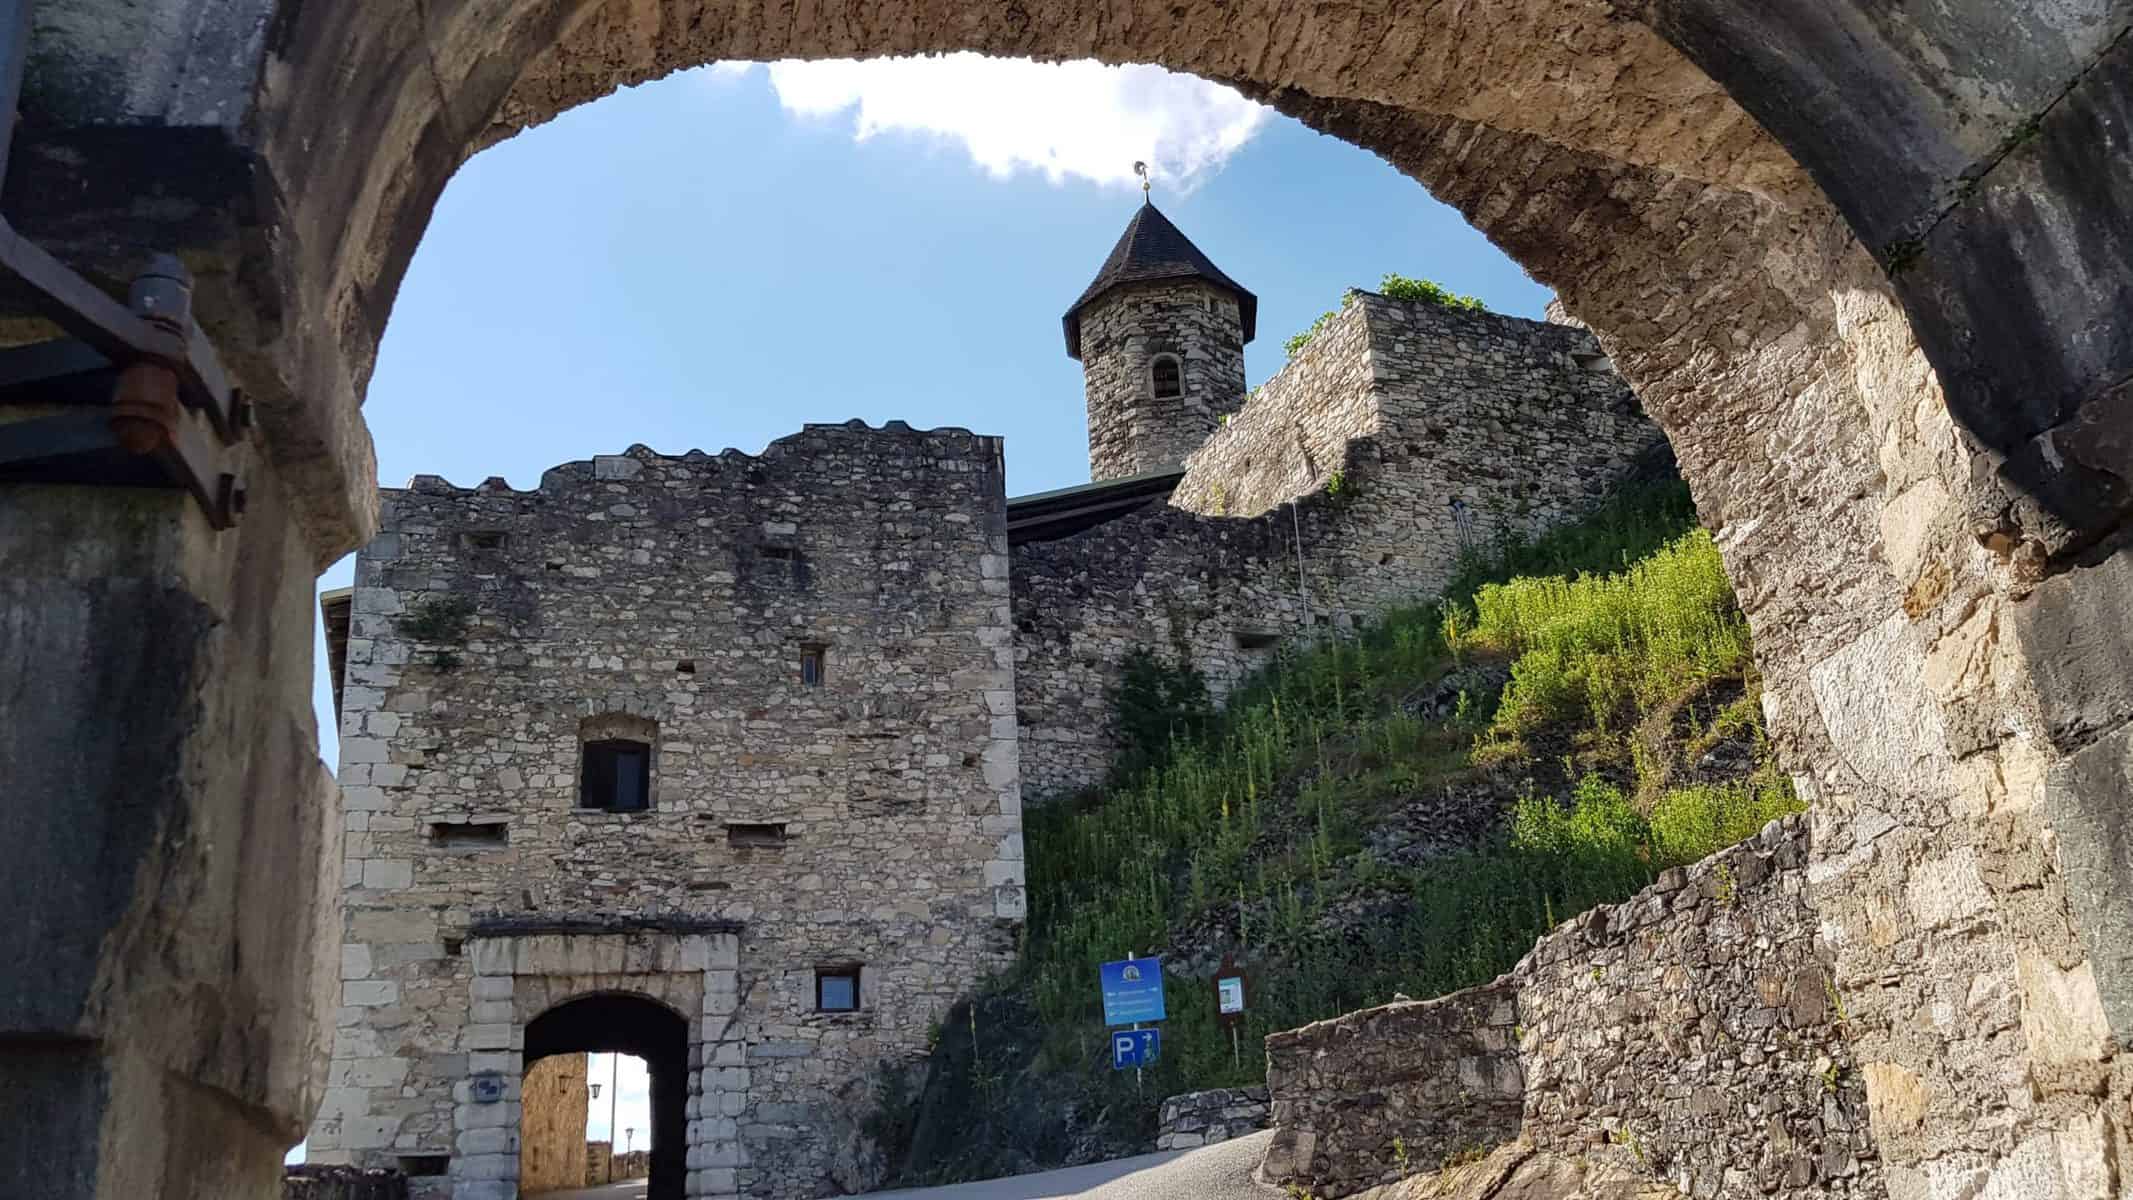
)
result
[(1606, 648), (1249, 831)]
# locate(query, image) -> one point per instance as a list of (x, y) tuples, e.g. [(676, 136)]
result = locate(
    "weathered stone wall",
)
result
[(1371, 1096), (1709, 183), (1520, 422), (551, 1147), (602, 1165), (309, 1182), (1394, 410), (1130, 431), (1692, 1024), (1188, 586), (671, 598), (1294, 430), (1204, 1118)]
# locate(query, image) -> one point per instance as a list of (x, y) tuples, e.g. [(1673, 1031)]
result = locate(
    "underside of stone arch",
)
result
[(1868, 267)]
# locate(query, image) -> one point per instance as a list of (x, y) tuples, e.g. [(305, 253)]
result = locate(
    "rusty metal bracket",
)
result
[(142, 398), (137, 396), (159, 328)]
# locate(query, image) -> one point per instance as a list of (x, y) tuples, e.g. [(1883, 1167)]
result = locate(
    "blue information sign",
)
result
[(1133, 991), (1135, 1048)]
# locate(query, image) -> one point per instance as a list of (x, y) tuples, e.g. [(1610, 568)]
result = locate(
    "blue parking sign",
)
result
[(1135, 1048), (1133, 991)]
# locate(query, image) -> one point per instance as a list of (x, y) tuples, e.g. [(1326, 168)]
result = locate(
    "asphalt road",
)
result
[(1219, 1172), (629, 1190)]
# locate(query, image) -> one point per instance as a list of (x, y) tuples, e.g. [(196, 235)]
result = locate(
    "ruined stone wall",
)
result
[(1204, 1118), (1393, 410), (1692, 1025), (551, 1148), (1385, 1092), (671, 599), (1205, 589), (308, 1182), (1500, 414), (1294, 430), (1130, 431)]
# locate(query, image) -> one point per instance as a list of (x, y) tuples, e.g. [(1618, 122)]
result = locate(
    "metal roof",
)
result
[(1046, 516)]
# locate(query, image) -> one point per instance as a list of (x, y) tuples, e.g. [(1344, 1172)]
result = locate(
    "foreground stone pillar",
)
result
[(166, 830)]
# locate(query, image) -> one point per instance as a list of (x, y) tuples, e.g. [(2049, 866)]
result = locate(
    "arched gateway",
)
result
[(1867, 265), (624, 1023)]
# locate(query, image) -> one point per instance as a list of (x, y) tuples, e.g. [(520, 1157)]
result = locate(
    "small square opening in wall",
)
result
[(482, 539), (425, 1164), (756, 835), (454, 947), (814, 663), (837, 989), (686, 666), (470, 835), (1256, 639)]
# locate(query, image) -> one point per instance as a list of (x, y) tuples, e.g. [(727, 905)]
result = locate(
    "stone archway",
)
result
[(1868, 268)]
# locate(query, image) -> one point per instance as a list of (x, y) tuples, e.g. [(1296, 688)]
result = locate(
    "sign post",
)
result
[(1231, 985), (1133, 993), (1135, 1048)]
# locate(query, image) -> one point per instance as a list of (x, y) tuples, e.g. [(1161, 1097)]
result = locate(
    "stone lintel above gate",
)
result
[(567, 949)]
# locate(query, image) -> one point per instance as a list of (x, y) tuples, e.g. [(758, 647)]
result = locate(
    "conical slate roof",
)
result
[(1153, 248)]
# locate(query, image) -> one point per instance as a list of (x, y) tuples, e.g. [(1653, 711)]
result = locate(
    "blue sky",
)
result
[(715, 258)]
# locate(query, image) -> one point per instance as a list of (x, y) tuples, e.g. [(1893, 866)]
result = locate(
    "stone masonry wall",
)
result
[(1692, 1024), (1189, 586), (1499, 414), (1408, 406), (1374, 1095), (1122, 331), (307, 1182), (671, 598), (553, 1098), (1204, 1118)]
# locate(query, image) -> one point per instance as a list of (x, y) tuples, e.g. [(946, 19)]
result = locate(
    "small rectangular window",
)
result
[(1255, 639), (755, 836), (812, 661), (837, 989), (412, 1165), (616, 776), (470, 835), (487, 539)]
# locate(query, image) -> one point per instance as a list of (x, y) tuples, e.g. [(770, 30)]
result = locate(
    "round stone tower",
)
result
[(1160, 334)]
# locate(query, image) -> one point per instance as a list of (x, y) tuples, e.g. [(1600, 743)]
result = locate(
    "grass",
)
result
[(1628, 659)]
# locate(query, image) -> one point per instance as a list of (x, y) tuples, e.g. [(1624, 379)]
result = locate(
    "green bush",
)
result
[(1397, 287), (1606, 648), (1400, 287)]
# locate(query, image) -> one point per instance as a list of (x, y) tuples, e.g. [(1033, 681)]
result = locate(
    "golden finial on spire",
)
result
[(1141, 169)]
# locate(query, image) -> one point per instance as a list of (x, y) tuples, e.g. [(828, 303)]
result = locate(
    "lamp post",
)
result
[(614, 1075)]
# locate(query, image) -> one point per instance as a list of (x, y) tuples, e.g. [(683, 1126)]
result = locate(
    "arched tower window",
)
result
[(1169, 376)]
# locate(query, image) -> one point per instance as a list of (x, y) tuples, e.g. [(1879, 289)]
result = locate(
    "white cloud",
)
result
[(1079, 119)]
